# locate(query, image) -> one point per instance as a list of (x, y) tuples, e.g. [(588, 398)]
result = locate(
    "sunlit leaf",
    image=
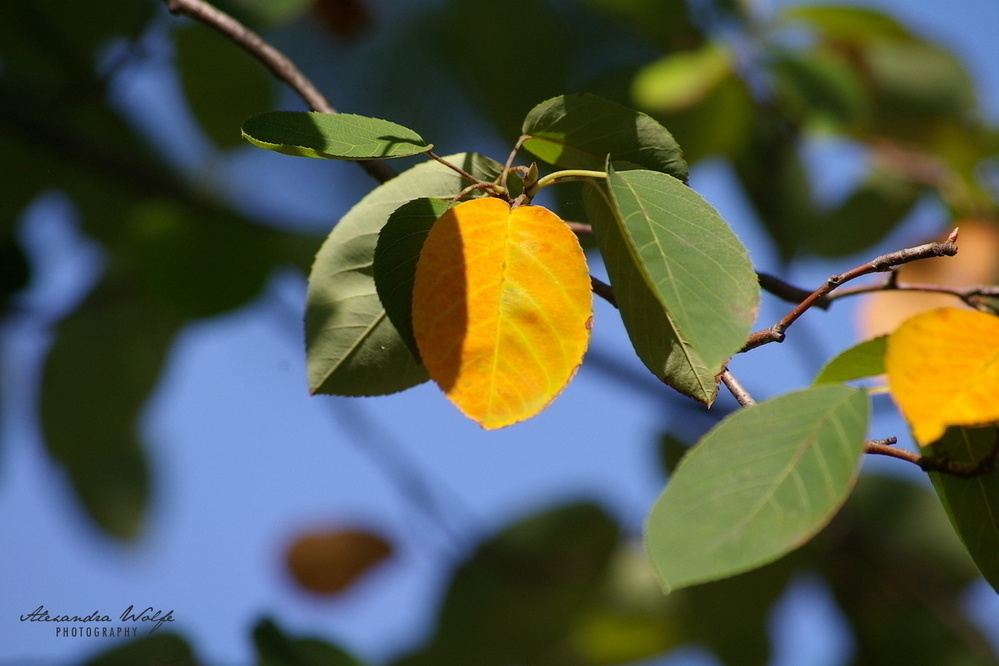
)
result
[(399, 244), (328, 561), (862, 360), (943, 370), (501, 308), (682, 279), (758, 485), (972, 504), (338, 136), (679, 80), (352, 347), (580, 131)]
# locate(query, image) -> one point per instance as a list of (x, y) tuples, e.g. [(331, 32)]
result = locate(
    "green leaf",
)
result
[(682, 79), (774, 178), (862, 360), (972, 504), (396, 254), (579, 132), (222, 86), (820, 86), (158, 648), (338, 136), (352, 346), (758, 485), (104, 364), (720, 123), (276, 648), (198, 263), (683, 281), (515, 601)]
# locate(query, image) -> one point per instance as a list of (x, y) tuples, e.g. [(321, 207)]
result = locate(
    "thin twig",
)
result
[(788, 292), (940, 464), (736, 388), (884, 263), (275, 61), (457, 169), (968, 295)]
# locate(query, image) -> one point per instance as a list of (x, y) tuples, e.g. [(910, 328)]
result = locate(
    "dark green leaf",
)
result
[(738, 633), (196, 263), (105, 362), (773, 175), (223, 87), (580, 131), (871, 212), (896, 569), (516, 600), (353, 348), (399, 244), (512, 31), (862, 360), (972, 504), (819, 86), (758, 485), (338, 136), (159, 649), (683, 282), (276, 648)]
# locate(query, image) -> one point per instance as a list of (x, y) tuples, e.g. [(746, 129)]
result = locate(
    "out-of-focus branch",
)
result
[(278, 63)]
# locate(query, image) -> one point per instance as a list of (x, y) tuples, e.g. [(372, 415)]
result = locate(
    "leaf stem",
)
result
[(476, 183), (275, 61), (564, 176)]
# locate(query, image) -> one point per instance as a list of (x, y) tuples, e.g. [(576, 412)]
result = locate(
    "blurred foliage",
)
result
[(562, 587)]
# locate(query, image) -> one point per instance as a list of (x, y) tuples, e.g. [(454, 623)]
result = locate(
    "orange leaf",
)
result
[(501, 308), (943, 369), (330, 561)]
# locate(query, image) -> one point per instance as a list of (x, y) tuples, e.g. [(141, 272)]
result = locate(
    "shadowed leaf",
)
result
[(352, 347), (580, 131)]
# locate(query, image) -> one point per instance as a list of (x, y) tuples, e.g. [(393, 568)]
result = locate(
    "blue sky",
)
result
[(245, 459)]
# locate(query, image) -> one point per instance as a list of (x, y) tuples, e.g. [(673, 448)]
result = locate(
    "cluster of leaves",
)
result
[(174, 255), (493, 301)]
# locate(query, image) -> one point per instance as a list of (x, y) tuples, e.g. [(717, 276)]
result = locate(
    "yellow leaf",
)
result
[(501, 308), (943, 370)]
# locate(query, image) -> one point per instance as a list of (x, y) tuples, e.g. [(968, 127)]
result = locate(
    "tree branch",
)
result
[(736, 388), (275, 61), (940, 464), (884, 263)]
